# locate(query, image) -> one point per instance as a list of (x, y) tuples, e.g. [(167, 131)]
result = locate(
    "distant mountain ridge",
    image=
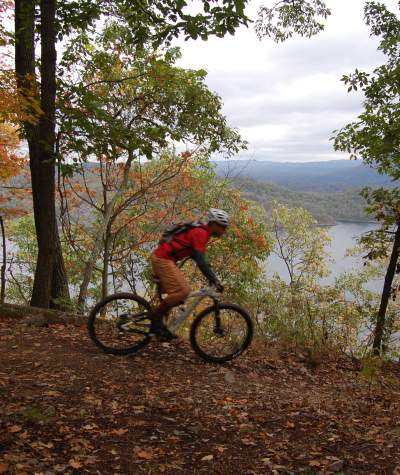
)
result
[(329, 176)]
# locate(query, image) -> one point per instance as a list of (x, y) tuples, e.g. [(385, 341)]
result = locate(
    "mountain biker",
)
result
[(191, 243)]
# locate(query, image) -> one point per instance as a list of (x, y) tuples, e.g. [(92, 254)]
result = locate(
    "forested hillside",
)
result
[(327, 208)]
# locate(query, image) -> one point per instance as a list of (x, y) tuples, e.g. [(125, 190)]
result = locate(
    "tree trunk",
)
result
[(59, 288), (3, 264), (106, 259), (387, 287), (26, 77), (40, 137), (42, 162), (24, 43), (42, 176), (25, 57)]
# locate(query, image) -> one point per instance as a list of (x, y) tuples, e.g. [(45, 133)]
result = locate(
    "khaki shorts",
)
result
[(173, 281)]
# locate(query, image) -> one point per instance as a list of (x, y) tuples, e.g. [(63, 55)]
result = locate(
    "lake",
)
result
[(344, 236)]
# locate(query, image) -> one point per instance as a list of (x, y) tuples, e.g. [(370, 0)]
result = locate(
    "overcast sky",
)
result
[(286, 99)]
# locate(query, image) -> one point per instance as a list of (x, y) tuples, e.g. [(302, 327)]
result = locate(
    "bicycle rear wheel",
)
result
[(221, 335), (120, 324)]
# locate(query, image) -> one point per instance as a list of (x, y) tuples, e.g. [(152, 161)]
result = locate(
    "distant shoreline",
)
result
[(346, 221)]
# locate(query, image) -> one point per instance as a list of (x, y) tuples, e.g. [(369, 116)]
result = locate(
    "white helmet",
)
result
[(218, 216)]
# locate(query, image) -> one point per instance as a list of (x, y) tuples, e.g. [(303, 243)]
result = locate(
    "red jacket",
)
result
[(184, 244)]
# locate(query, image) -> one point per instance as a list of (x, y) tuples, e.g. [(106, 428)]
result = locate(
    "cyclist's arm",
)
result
[(201, 261)]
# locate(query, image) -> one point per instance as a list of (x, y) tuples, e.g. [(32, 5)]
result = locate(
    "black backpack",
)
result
[(170, 233)]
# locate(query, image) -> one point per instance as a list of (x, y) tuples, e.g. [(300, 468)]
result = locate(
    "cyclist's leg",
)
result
[(174, 284), (173, 281)]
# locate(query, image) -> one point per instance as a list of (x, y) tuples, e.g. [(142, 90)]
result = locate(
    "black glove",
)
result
[(219, 286)]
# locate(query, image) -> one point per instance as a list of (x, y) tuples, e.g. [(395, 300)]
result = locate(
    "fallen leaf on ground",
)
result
[(52, 393), (3, 468), (90, 426), (207, 457), (247, 441), (144, 454), (49, 445), (75, 463), (119, 431), (14, 429)]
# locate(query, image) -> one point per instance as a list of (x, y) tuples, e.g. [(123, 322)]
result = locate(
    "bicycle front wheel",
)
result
[(221, 335), (120, 323)]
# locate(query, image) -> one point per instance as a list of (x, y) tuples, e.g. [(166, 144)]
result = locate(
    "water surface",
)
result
[(343, 236)]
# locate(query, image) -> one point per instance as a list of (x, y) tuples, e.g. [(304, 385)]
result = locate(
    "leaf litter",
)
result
[(67, 408)]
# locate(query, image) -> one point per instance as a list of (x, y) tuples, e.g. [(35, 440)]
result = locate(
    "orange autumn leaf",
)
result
[(144, 454), (15, 428), (10, 161), (4, 467)]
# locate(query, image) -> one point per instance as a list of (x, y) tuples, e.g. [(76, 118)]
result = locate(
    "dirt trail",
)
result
[(67, 408)]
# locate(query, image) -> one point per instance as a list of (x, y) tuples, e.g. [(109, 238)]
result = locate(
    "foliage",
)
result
[(375, 249), (156, 22), (300, 243), (13, 169), (371, 368), (340, 316), (384, 204), (374, 138), (12, 163), (22, 259), (114, 100), (318, 317), (21, 234), (13, 106), (288, 17), (304, 311)]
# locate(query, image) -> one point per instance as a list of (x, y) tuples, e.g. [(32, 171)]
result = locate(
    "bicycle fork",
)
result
[(218, 328)]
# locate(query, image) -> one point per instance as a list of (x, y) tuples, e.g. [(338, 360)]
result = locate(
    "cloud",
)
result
[(290, 102), (286, 99)]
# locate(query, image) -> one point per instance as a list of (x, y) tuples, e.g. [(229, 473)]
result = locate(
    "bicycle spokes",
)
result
[(222, 334), (121, 324)]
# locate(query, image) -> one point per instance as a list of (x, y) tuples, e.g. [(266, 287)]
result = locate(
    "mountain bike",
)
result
[(120, 325)]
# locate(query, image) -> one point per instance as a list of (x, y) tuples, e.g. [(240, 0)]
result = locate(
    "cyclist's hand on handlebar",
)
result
[(219, 286)]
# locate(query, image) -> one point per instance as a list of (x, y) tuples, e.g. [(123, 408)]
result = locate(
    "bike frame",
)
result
[(183, 313), (196, 297)]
